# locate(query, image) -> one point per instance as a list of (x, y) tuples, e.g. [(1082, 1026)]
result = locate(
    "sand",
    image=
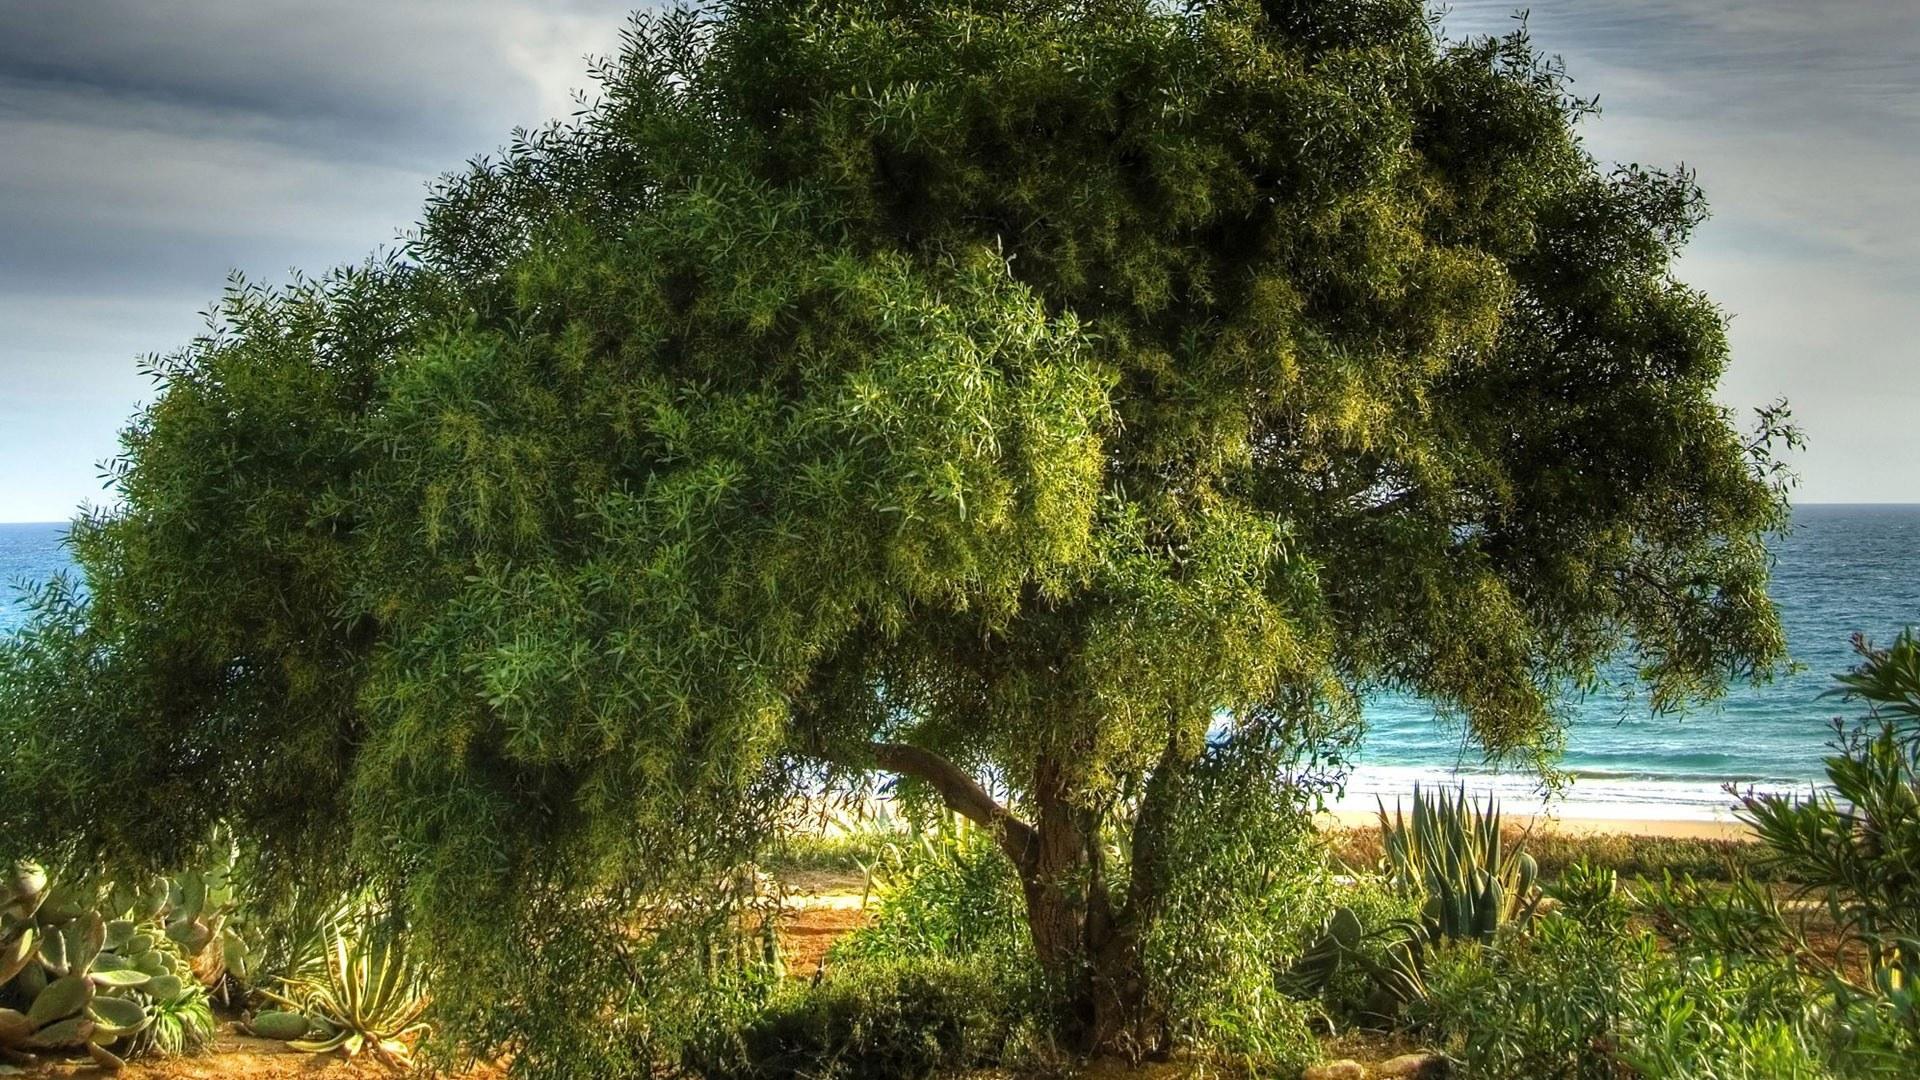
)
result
[(1671, 828)]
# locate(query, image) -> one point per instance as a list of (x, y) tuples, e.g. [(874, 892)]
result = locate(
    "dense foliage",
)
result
[(1857, 848), (1013, 391)]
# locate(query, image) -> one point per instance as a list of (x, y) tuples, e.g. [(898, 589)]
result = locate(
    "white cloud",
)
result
[(1803, 122)]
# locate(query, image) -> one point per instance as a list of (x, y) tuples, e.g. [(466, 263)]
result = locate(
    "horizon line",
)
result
[(1798, 505)]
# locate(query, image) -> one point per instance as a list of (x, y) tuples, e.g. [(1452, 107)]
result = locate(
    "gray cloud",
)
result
[(1803, 123), (148, 147)]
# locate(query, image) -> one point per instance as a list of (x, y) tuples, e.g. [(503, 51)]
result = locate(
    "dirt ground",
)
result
[(233, 1055), (818, 909)]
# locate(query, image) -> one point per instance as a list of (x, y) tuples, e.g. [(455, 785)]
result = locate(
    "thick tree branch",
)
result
[(962, 794), (1158, 804)]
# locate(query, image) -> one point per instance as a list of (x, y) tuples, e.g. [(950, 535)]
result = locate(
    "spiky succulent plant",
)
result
[(1451, 851), (366, 996)]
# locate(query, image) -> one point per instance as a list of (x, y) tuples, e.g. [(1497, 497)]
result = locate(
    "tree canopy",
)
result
[(1013, 389)]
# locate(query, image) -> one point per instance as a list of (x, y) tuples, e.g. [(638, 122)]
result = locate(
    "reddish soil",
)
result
[(807, 933), (235, 1055)]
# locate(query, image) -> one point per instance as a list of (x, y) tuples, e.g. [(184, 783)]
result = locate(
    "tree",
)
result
[(1012, 391)]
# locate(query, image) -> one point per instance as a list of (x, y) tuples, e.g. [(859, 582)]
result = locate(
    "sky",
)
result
[(149, 148)]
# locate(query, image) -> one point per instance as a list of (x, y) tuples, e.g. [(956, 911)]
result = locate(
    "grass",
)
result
[(838, 852), (1644, 858)]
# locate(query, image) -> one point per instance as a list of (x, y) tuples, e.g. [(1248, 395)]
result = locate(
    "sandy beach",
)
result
[(1673, 828)]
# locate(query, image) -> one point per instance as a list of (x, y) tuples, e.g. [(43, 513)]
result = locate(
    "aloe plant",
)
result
[(1452, 852)]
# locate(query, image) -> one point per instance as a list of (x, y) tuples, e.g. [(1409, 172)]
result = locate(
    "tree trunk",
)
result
[(1089, 947), (1092, 952)]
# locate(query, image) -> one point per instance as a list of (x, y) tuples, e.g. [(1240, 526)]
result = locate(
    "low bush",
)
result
[(873, 1020), (1631, 857), (944, 893), (1736, 919), (1259, 885), (1545, 1003), (1591, 895), (1583, 1001)]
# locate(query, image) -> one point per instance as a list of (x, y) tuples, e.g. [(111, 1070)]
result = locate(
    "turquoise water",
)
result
[(1844, 569)]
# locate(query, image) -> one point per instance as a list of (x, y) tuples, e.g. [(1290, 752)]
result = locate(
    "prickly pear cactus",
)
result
[(74, 980), (202, 914)]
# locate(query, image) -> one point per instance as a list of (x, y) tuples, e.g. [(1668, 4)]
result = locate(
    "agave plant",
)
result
[(1397, 975), (1452, 852), (367, 996)]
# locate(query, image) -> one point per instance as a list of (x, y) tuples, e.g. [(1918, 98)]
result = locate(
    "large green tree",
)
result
[(1011, 395)]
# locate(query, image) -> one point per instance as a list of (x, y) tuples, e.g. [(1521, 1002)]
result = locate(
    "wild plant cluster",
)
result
[(998, 393), (1790, 959)]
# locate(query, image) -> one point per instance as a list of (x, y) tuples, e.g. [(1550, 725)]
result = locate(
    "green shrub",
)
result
[(1710, 1018), (943, 893), (1541, 1004), (942, 976), (1591, 895), (1258, 886), (368, 994), (1582, 1001), (1739, 919), (1859, 847), (872, 1020)]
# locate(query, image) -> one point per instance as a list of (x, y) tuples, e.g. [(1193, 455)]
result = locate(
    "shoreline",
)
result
[(1668, 828)]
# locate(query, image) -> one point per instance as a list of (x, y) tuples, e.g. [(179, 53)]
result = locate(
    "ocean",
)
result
[(1843, 569), (29, 555)]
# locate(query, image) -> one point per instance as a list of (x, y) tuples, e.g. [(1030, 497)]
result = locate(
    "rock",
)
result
[(1344, 1069), (1413, 1066)]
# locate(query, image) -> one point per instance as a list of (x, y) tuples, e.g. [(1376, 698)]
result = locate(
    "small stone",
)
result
[(1413, 1066), (1344, 1069)]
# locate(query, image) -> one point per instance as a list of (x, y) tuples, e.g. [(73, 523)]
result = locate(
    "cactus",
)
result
[(1398, 976), (73, 979), (1452, 852), (201, 913), (1336, 946), (280, 1025)]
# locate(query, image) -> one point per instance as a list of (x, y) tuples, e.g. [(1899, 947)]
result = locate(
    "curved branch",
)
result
[(962, 794)]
